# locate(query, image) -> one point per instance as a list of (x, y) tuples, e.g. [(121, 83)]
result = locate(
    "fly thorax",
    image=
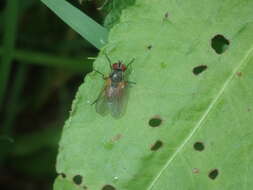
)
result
[(116, 76)]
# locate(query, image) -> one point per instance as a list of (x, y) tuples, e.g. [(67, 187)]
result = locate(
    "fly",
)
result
[(113, 97)]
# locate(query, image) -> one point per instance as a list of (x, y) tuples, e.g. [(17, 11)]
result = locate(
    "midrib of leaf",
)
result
[(204, 116)]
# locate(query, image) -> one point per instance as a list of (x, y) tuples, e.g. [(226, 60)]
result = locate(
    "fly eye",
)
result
[(115, 66), (123, 67)]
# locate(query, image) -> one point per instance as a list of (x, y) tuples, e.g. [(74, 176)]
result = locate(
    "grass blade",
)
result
[(81, 23), (11, 112)]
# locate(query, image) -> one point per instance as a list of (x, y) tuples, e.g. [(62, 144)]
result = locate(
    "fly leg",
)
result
[(95, 100), (109, 61), (130, 63), (99, 96), (129, 67), (103, 76), (130, 82)]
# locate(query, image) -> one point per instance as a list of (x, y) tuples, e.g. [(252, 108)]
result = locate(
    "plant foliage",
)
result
[(188, 123)]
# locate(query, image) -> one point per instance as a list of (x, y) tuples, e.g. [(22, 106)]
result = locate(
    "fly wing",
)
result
[(118, 101), (101, 104)]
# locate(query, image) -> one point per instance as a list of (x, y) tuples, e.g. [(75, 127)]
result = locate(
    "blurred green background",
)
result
[(42, 63)]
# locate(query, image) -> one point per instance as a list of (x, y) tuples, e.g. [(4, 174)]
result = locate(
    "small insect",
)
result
[(113, 96)]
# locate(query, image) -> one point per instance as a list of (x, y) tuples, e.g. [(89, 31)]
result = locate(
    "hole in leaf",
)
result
[(199, 146), (199, 69), (155, 122), (63, 175), (108, 187), (213, 174), (150, 47), (219, 43), (158, 144), (77, 179), (239, 74)]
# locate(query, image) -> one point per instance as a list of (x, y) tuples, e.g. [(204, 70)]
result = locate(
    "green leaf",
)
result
[(115, 7), (64, 184), (188, 123), (81, 23)]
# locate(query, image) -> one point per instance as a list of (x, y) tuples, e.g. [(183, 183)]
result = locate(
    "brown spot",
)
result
[(248, 109), (239, 74), (116, 137), (195, 170)]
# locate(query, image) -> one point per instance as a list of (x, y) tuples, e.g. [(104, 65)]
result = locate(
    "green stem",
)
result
[(12, 107), (10, 27), (75, 64)]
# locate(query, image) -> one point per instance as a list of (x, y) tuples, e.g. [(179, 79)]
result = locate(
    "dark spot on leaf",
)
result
[(150, 47), (195, 170), (108, 187), (158, 144), (199, 146), (239, 74), (85, 187), (166, 15), (219, 43), (155, 122), (248, 109), (63, 175), (163, 65), (77, 179), (199, 69), (213, 174)]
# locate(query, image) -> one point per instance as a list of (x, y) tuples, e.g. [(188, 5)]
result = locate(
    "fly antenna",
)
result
[(109, 61)]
